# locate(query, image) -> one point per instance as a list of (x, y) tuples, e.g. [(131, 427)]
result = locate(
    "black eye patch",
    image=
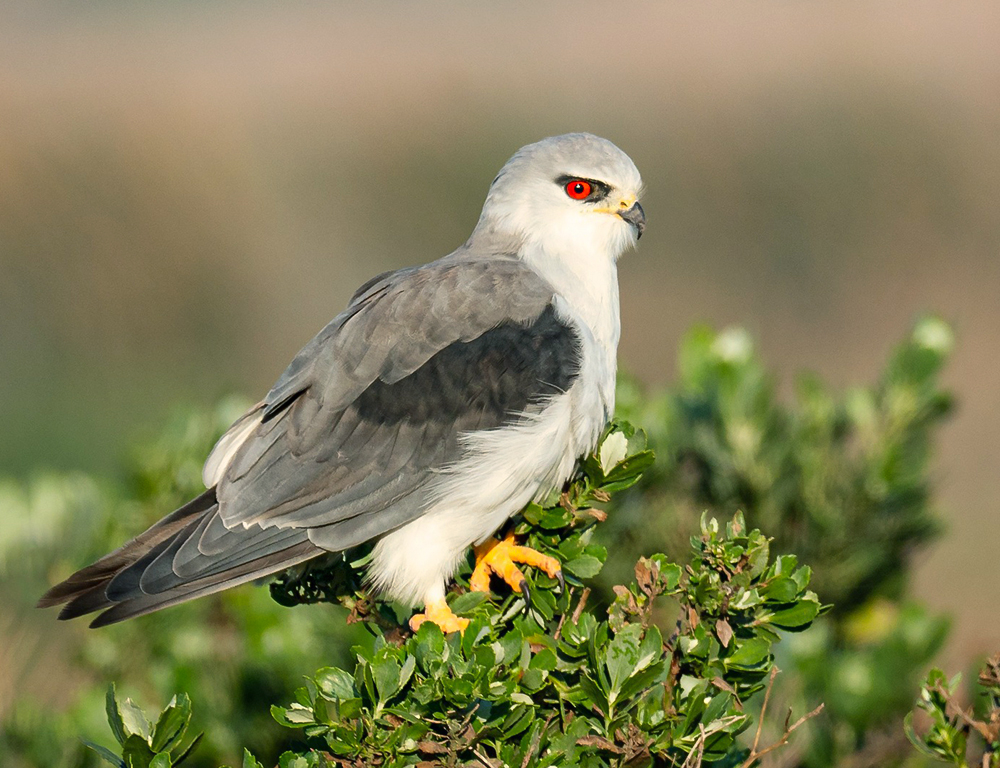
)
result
[(598, 189)]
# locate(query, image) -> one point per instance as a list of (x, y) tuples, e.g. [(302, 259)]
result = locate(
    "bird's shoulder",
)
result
[(399, 319)]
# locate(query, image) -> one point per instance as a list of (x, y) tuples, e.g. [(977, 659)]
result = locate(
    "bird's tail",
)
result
[(187, 554)]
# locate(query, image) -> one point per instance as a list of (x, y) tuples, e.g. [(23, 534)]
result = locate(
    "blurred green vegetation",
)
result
[(840, 479)]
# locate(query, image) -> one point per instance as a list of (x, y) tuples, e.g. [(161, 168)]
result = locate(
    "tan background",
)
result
[(188, 191)]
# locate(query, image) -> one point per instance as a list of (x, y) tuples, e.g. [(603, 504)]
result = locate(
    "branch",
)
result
[(697, 752), (954, 710), (755, 756)]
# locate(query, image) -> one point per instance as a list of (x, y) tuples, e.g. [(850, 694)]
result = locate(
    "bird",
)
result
[(441, 401)]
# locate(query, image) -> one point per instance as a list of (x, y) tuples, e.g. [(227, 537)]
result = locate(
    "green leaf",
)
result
[(641, 680), (472, 639), (249, 761), (105, 753), (670, 573), (386, 674), (161, 760), (295, 716), (628, 472), (584, 566), (784, 565), (134, 719), (533, 513), (555, 519), (802, 576), (650, 649), (463, 604), (622, 657), (114, 715), (798, 616), (136, 752), (749, 653), (429, 645), (781, 589), (172, 724), (532, 679), (335, 683), (593, 693), (406, 672), (747, 598), (364, 679), (545, 660), (186, 752), (518, 721), (292, 760), (757, 557)]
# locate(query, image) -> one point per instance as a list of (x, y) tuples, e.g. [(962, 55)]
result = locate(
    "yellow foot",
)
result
[(438, 612), (499, 557)]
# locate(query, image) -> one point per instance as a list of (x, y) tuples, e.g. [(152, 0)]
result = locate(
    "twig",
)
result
[(576, 614), (579, 606), (755, 756), (763, 710), (562, 620), (697, 753), (483, 759), (535, 742)]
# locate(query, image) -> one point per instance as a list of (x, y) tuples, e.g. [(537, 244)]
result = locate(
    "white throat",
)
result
[(580, 263), (585, 278), (587, 281)]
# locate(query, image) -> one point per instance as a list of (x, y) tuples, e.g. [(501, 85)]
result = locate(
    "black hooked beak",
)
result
[(636, 217)]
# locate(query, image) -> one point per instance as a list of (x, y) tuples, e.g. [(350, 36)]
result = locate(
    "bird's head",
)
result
[(567, 193)]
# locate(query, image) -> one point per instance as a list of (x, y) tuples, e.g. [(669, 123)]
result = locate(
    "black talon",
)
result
[(526, 592), (562, 581)]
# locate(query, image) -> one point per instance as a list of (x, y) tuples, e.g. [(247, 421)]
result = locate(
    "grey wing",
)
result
[(347, 442)]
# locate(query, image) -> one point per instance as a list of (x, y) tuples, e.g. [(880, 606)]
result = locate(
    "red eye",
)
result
[(579, 189)]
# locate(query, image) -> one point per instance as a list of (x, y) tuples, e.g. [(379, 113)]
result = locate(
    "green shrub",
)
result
[(956, 733)]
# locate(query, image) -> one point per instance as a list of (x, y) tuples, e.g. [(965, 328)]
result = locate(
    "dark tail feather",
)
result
[(98, 595), (96, 574), (115, 583), (255, 569), (86, 602)]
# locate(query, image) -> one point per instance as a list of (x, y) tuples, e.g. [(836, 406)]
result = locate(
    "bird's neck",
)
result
[(586, 286), (587, 280), (578, 262)]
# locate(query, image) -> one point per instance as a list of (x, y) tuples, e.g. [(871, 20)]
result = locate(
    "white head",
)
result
[(571, 193)]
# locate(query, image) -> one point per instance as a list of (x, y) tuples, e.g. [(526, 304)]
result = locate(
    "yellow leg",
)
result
[(438, 612), (499, 557)]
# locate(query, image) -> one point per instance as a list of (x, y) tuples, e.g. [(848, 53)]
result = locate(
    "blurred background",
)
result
[(188, 192)]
